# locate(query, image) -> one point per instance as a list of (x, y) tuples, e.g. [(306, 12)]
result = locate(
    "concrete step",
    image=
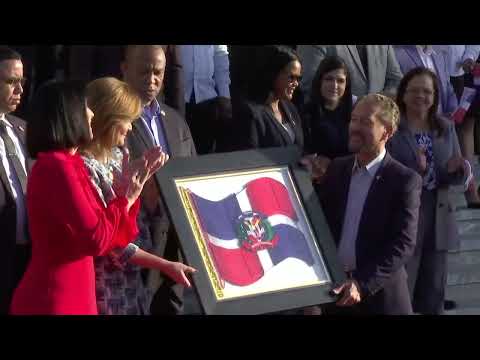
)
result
[(467, 215), (468, 228), (468, 243), (469, 293), (463, 310), (459, 202), (466, 307), (463, 268)]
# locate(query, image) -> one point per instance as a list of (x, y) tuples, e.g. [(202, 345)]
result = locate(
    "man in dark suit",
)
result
[(89, 62), (14, 165), (159, 125), (371, 203), (39, 65)]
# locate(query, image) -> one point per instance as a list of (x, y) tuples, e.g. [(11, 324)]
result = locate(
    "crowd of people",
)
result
[(86, 130)]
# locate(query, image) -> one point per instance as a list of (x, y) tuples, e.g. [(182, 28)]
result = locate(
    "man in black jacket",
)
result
[(371, 203)]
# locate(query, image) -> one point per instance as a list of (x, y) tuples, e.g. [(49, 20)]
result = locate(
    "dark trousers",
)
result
[(167, 295), (475, 107), (17, 266), (356, 310), (168, 299), (209, 122), (427, 269), (458, 84)]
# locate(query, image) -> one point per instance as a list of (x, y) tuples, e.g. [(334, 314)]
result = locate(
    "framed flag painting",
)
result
[(251, 224)]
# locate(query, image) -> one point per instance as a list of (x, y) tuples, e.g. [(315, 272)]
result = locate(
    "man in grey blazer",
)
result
[(373, 68), (159, 125)]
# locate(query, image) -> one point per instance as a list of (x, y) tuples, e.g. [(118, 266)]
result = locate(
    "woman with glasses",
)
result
[(268, 118), (427, 143)]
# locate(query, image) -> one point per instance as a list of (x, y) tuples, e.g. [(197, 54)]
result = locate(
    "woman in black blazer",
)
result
[(326, 117), (268, 118)]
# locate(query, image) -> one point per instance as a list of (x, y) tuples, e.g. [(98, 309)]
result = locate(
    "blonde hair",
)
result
[(112, 102), (389, 112)]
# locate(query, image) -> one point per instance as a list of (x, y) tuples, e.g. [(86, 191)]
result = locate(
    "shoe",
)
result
[(449, 305), (473, 205)]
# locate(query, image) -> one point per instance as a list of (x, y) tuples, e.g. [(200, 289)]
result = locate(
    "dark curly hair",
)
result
[(270, 62)]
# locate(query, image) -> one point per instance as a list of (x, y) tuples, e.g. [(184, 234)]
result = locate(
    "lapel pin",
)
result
[(21, 128), (162, 112)]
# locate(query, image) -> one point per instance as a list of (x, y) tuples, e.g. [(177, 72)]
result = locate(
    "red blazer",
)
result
[(69, 225)]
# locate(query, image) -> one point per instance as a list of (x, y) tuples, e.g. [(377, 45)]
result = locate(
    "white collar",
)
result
[(373, 166), (428, 51), (4, 119)]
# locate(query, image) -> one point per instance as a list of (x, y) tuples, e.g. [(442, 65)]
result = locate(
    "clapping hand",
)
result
[(155, 158), (134, 181), (422, 160), (135, 173), (456, 164)]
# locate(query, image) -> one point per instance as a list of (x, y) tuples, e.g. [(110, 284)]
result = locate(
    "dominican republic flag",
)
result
[(465, 102), (250, 232)]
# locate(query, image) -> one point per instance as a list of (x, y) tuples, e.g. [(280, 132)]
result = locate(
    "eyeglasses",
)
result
[(15, 81), (420, 91), (292, 78)]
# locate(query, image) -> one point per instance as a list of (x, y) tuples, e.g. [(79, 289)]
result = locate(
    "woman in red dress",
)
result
[(68, 223)]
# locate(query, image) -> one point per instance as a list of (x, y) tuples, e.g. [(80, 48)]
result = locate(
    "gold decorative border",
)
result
[(201, 243), (200, 239)]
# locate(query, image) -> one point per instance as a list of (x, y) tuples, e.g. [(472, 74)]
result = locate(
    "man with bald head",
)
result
[(158, 125), (89, 62)]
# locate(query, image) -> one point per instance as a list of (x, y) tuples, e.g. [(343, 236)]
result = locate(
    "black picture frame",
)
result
[(226, 164)]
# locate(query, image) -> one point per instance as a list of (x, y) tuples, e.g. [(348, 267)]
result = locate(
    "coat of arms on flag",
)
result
[(253, 237)]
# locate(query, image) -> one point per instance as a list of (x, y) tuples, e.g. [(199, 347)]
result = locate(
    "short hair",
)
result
[(7, 53), (402, 89), (57, 118), (272, 60), (129, 49), (112, 101), (389, 113), (328, 64)]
